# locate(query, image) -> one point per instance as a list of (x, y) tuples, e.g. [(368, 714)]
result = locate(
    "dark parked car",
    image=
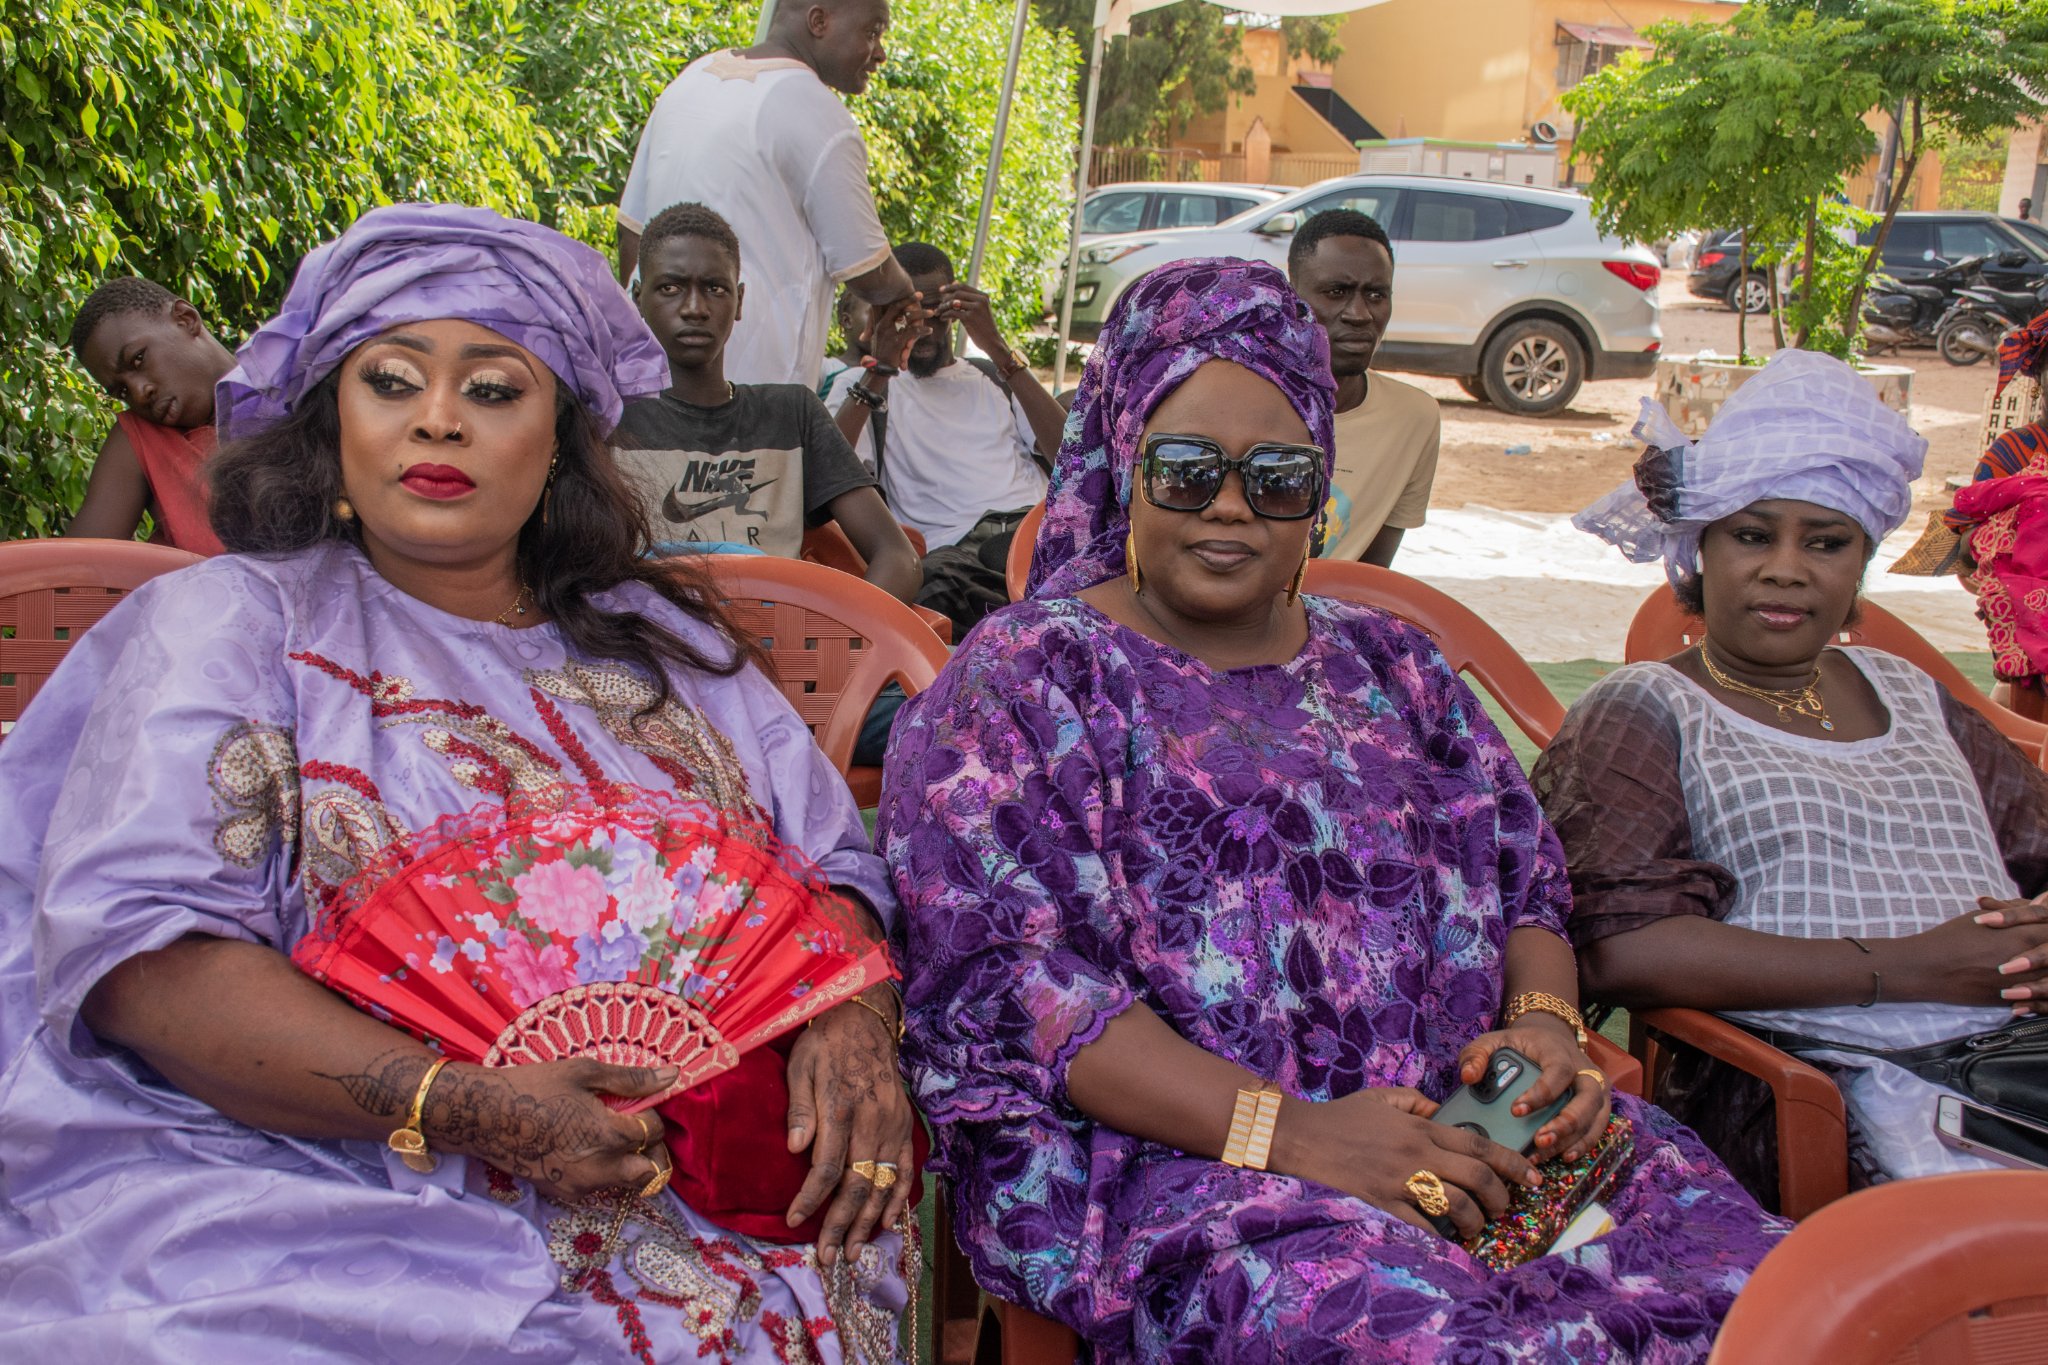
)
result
[(1717, 274), (1921, 243)]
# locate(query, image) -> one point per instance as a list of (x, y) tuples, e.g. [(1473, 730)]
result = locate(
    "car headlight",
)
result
[(1110, 251)]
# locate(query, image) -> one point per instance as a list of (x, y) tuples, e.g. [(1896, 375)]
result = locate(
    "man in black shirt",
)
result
[(747, 465)]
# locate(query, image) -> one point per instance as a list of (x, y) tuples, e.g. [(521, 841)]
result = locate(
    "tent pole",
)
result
[(995, 146), (767, 22), (1059, 350)]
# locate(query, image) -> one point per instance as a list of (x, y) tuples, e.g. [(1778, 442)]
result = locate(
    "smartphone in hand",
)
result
[(1485, 1107)]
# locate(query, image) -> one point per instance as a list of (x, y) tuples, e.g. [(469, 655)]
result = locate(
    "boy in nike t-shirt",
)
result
[(748, 466)]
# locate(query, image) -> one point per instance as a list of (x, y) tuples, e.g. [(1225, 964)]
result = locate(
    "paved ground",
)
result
[(1570, 465), (1499, 537)]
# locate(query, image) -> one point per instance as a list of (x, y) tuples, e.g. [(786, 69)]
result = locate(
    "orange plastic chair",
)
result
[(1469, 645), (1661, 628), (1944, 1270), (1018, 569), (827, 544), (51, 592), (1813, 1127), (834, 643)]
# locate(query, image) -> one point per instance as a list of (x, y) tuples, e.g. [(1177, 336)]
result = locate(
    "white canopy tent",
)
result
[(1112, 19)]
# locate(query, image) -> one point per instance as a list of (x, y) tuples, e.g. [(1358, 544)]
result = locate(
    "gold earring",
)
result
[(1294, 588), (344, 510), (547, 496), (1131, 562)]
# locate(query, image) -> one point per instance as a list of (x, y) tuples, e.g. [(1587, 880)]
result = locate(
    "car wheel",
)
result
[(1750, 296), (1532, 368), (1470, 384)]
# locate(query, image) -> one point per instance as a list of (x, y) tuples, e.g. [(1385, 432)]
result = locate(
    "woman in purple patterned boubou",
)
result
[(1177, 845)]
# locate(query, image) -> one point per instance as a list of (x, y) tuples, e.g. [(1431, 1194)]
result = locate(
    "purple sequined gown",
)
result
[(1310, 869)]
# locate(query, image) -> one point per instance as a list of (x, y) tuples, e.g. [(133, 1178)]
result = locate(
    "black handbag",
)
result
[(2006, 1068)]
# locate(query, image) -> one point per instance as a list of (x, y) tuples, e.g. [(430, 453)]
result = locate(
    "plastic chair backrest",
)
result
[(1018, 569), (1469, 645), (51, 592), (827, 544), (1904, 1272), (834, 641), (1661, 629)]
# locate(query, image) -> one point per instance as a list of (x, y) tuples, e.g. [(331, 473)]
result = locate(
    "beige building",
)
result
[(1466, 70), (2026, 170)]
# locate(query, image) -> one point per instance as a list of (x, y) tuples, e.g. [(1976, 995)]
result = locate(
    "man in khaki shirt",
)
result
[(1387, 432)]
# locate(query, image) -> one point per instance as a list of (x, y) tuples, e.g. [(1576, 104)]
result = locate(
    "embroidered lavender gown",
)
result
[(1310, 869), (223, 749)]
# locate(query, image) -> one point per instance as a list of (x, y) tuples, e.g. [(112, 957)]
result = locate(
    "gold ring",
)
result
[(648, 1132), (869, 1171), (1427, 1189), (885, 1174), (1599, 1076), (657, 1182)]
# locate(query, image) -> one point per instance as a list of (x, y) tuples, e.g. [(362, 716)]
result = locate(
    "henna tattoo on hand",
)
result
[(385, 1086), (536, 1137)]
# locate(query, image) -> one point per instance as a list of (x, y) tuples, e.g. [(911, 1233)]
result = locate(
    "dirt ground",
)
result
[(1569, 465)]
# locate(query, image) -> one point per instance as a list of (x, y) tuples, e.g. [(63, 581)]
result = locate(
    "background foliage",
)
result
[(208, 144), (1177, 63)]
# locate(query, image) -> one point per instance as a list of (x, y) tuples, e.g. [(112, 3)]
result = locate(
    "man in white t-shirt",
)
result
[(1387, 432), (963, 445), (760, 137)]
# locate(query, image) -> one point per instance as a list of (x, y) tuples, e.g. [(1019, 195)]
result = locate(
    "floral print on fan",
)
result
[(571, 904)]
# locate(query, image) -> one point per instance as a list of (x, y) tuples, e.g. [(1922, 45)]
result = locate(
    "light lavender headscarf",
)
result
[(1807, 428), (420, 262)]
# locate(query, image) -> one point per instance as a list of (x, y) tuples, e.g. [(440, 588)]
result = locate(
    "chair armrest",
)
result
[(941, 624), (1813, 1128), (1624, 1072)]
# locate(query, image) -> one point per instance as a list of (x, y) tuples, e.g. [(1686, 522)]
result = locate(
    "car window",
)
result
[(1436, 216), (2036, 235), (1122, 212), (1188, 210), (1374, 201), (1910, 242), (1523, 217), (1967, 238), (1229, 206)]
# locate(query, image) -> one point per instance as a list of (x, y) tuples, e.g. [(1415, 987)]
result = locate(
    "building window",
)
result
[(1583, 49)]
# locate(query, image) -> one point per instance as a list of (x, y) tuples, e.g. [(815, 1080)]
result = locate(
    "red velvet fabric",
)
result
[(730, 1140)]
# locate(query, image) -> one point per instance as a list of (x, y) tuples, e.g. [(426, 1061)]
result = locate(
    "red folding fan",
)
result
[(639, 928)]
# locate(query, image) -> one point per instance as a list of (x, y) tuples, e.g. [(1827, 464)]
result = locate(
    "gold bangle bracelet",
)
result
[(1546, 1003), (1250, 1143), (410, 1142)]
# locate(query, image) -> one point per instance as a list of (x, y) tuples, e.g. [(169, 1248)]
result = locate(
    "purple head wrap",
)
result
[(1164, 328), (1804, 427), (421, 262)]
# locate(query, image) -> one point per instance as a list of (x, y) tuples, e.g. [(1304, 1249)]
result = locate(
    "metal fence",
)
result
[(1115, 165)]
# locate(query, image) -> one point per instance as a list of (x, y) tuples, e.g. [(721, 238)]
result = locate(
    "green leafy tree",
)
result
[(1752, 123), (208, 145), (1178, 63), (1952, 71), (593, 69)]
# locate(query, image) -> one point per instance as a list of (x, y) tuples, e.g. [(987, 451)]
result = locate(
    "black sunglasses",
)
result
[(1282, 482)]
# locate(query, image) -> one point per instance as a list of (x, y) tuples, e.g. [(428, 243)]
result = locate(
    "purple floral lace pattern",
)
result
[(1311, 869)]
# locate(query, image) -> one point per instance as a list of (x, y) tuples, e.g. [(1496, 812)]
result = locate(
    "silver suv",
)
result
[(1509, 289)]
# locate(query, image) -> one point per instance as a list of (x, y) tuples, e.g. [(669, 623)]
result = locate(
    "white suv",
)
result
[(1510, 289)]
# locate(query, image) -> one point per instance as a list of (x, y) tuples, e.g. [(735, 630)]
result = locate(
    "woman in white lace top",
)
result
[(1799, 837)]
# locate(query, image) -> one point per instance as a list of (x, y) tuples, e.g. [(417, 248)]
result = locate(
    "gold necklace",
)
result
[(518, 607), (1802, 702)]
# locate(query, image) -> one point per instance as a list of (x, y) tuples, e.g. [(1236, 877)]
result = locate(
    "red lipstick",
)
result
[(438, 481)]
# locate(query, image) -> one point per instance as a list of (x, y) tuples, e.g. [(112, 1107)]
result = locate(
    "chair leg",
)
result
[(1028, 1339)]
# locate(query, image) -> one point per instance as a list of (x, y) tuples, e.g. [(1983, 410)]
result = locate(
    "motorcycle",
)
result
[(1981, 316), (1901, 314)]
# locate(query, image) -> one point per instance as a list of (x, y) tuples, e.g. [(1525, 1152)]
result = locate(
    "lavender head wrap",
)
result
[(1807, 427), (1164, 328), (420, 262)]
